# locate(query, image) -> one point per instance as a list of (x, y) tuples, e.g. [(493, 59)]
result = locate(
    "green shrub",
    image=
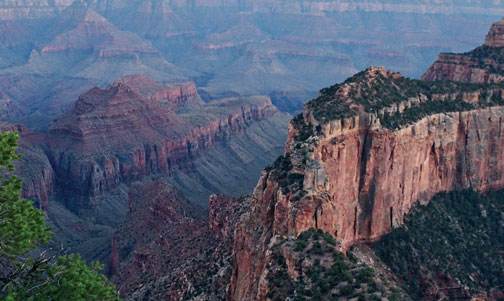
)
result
[(347, 290)]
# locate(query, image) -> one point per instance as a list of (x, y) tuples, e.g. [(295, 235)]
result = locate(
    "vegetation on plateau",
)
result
[(23, 231), (483, 54), (378, 93)]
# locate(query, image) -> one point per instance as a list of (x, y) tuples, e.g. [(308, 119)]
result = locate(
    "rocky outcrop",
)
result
[(495, 37), (356, 176), (175, 94), (464, 68), (170, 249), (134, 128), (119, 135), (34, 167), (89, 31), (481, 65)]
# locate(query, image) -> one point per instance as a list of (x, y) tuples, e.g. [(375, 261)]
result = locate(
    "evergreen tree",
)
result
[(22, 231)]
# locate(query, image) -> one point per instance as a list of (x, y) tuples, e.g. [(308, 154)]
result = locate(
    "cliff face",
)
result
[(362, 155), (174, 94), (465, 68), (34, 167), (120, 135), (169, 249), (495, 37), (481, 65), (134, 128)]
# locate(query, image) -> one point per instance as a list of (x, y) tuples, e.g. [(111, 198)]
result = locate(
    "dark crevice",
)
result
[(355, 223), (391, 217)]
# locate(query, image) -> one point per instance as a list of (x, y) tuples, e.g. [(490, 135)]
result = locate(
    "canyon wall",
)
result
[(462, 68), (39, 181), (175, 94), (359, 177), (481, 65), (168, 248), (85, 173), (135, 128)]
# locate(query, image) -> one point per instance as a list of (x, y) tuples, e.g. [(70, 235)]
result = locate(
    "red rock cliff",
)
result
[(175, 94), (34, 167), (481, 65), (168, 249), (360, 176), (124, 133), (495, 37)]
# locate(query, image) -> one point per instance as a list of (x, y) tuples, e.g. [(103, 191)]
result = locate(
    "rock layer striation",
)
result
[(481, 65), (135, 128), (361, 156)]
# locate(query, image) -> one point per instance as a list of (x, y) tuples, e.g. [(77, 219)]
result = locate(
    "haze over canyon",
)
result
[(265, 150)]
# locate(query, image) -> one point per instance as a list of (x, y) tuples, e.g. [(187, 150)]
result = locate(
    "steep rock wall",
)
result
[(481, 65), (459, 67), (365, 179), (89, 177), (361, 155), (34, 167)]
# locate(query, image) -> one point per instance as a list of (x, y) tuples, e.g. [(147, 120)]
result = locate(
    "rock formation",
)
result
[(174, 94), (361, 155), (481, 65), (495, 37), (89, 31), (119, 135), (134, 128), (38, 175), (170, 249), (53, 51)]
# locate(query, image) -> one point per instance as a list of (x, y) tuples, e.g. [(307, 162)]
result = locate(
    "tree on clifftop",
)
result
[(23, 230)]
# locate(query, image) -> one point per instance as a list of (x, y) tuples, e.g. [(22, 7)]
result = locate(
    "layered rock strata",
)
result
[(119, 135), (495, 37), (362, 155), (481, 65), (174, 94), (39, 179), (135, 128)]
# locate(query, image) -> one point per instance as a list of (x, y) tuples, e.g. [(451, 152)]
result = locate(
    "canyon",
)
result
[(397, 144), (138, 130), (366, 151), (52, 52), (145, 125), (135, 128)]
